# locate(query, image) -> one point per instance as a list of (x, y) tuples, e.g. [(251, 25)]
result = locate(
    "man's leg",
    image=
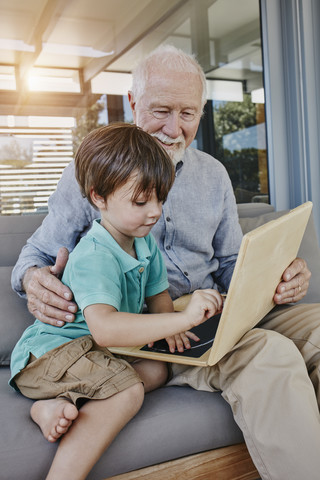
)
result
[(266, 383), (300, 323)]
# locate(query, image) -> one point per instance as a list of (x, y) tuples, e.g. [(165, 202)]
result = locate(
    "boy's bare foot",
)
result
[(54, 417)]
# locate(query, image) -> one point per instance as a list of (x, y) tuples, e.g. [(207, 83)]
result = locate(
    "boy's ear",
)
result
[(97, 200)]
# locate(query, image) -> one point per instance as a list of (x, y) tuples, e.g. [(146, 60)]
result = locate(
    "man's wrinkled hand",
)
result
[(294, 284), (49, 300)]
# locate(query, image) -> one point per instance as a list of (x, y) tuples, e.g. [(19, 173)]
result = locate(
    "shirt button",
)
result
[(168, 219), (186, 273), (168, 247), (141, 269)]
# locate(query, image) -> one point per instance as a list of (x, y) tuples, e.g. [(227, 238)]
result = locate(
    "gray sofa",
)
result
[(173, 422)]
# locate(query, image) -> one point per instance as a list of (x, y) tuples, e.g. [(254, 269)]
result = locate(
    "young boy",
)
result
[(84, 393)]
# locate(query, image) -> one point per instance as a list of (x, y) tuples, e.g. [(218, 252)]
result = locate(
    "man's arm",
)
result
[(295, 279), (70, 215)]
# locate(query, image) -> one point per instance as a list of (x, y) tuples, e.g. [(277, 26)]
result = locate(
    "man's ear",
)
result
[(97, 200), (132, 103)]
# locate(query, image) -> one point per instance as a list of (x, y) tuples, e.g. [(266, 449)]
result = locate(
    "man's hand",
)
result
[(48, 299), (295, 283)]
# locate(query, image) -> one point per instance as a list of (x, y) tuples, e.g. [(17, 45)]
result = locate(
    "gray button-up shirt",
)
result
[(198, 233)]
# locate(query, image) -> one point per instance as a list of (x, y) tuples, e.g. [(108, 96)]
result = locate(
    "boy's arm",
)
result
[(111, 328), (160, 303), (163, 303)]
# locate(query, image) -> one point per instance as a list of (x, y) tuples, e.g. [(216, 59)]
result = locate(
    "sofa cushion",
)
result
[(14, 316), (253, 209), (309, 249), (14, 232), (173, 422)]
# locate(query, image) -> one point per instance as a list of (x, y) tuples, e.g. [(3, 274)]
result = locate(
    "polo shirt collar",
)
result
[(127, 262)]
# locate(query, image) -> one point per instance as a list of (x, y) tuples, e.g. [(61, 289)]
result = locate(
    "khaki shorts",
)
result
[(76, 370)]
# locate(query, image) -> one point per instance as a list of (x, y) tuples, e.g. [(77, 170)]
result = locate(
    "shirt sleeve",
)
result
[(69, 217), (91, 282), (158, 278)]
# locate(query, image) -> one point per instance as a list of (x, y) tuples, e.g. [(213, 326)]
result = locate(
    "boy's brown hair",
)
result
[(109, 155)]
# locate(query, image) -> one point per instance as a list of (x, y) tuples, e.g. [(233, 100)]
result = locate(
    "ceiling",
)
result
[(93, 36)]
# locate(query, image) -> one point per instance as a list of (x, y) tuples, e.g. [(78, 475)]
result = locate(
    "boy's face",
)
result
[(125, 218)]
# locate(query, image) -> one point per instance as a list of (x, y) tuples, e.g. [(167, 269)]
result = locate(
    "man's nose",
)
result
[(172, 126)]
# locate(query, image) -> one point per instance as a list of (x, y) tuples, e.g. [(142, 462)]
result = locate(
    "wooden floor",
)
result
[(229, 463)]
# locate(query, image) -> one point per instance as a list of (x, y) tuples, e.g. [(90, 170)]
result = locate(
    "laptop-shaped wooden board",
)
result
[(263, 256)]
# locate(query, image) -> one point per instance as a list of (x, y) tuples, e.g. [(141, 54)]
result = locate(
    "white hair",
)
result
[(171, 58)]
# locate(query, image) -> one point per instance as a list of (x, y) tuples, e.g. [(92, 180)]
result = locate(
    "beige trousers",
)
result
[(271, 379)]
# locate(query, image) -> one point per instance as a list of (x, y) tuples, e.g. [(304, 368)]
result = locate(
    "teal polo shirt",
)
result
[(98, 271)]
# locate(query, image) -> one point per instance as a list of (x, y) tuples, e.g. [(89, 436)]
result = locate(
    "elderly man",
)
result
[(271, 377)]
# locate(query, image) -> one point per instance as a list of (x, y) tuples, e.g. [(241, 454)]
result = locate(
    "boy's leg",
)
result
[(54, 417), (80, 370), (153, 373), (98, 423)]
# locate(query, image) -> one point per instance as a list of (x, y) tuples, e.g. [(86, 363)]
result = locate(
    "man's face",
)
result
[(170, 109)]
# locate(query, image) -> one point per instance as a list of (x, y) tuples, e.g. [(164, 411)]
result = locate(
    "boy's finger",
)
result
[(192, 336)]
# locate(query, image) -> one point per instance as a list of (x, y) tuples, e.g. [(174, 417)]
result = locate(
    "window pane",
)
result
[(7, 78), (240, 144), (85, 83), (226, 39), (33, 153), (238, 116)]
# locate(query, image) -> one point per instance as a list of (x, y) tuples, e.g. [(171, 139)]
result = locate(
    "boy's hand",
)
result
[(181, 341), (203, 305), (200, 306)]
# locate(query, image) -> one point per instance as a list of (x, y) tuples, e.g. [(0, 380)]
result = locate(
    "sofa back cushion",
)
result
[(14, 316), (14, 232)]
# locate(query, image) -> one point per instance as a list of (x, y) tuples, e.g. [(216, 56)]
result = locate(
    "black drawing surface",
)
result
[(206, 332)]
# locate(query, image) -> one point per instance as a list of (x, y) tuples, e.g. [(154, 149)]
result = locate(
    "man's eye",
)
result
[(140, 204), (188, 116), (160, 114)]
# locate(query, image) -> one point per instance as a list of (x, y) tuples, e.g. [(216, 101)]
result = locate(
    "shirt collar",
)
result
[(179, 165), (127, 262)]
